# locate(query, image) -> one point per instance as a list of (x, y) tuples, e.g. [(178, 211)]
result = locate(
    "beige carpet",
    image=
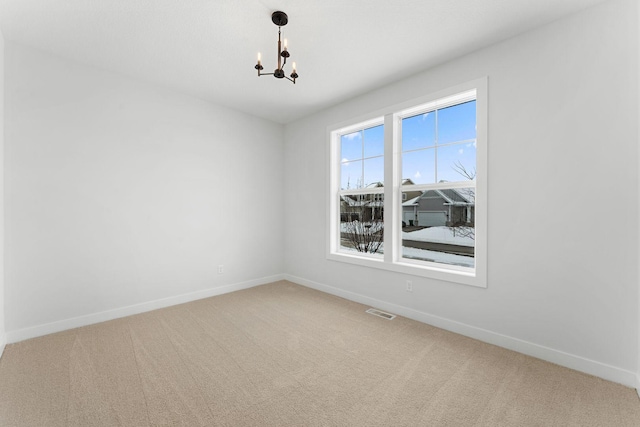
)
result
[(285, 355)]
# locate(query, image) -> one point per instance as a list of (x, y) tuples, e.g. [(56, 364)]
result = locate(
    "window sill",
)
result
[(432, 272)]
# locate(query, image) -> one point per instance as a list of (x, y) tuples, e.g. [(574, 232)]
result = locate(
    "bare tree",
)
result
[(361, 223), (462, 170), (462, 228)]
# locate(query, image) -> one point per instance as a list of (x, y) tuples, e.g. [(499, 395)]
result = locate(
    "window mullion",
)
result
[(435, 154), (362, 183), (391, 184)]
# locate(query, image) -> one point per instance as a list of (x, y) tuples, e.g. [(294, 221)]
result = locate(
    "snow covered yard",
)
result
[(442, 235), (438, 235), (441, 257)]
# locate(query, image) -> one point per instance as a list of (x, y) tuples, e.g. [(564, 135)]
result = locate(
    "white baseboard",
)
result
[(76, 322), (591, 367)]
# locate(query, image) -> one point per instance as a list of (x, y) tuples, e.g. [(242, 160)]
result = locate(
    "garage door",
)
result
[(432, 219), (408, 216)]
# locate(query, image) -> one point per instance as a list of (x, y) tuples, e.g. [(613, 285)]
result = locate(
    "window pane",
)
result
[(457, 162), (439, 226), (457, 123), (351, 146), (350, 175), (362, 224), (374, 171), (419, 166), (418, 131), (374, 141)]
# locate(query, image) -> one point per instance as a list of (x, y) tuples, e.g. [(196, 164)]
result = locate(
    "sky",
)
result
[(432, 143)]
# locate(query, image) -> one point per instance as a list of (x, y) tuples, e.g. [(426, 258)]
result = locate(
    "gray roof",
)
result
[(411, 202), (456, 196), (451, 196)]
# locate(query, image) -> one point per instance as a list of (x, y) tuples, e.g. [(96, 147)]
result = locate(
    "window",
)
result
[(438, 157), (360, 196), (425, 162)]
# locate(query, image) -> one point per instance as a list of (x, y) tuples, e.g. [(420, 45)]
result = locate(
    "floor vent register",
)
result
[(382, 314)]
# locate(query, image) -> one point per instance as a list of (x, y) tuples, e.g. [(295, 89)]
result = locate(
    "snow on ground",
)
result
[(441, 257), (432, 234), (426, 255), (347, 227), (438, 235)]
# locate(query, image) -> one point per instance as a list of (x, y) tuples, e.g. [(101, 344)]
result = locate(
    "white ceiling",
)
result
[(208, 48)]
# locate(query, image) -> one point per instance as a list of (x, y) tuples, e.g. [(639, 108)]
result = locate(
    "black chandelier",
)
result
[(280, 19)]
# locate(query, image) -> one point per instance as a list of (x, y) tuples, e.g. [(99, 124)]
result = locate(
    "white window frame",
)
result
[(392, 119)]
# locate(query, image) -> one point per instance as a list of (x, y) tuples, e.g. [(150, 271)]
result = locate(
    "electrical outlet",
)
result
[(409, 286), (220, 269)]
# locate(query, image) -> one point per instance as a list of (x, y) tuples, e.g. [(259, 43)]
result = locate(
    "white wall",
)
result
[(563, 197), (638, 139), (3, 338), (120, 193)]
